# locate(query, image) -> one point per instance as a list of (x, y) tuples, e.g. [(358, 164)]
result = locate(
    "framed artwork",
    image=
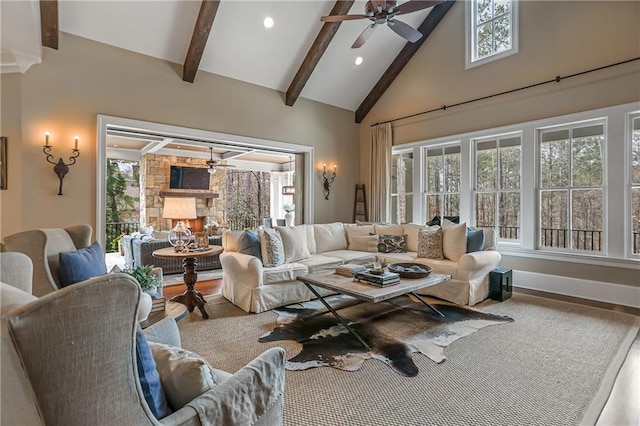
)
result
[(3, 162)]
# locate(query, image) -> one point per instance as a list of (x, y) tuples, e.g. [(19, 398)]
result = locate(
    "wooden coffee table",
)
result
[(190, 298), (368, 292)]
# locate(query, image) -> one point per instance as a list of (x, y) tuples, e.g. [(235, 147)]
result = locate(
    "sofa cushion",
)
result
[(285, 272), (80, 265), (357, 230), (249, 243), (430, 243), (443, 266), (311, 239), (321, 263), (294, 240), (392, 243), (454, 240), (330, 236), (389, 229), (184, 375), (411, 231), (363, 243), (397, 257), (475, 240), (271, 247), (149, 378), (351, 256)]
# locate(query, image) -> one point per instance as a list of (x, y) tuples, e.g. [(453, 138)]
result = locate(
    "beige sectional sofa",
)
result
[(250, 285)]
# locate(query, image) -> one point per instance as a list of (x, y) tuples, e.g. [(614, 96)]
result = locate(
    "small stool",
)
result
[(500, 284)]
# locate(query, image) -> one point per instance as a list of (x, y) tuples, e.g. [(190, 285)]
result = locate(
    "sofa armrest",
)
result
[(164, 331), (478, 263), (242, 269), (253, 395)]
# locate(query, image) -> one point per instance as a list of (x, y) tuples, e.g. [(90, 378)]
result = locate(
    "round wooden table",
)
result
[(190, 298)]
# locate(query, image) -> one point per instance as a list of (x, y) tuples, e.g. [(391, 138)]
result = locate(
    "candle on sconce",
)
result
[(76, 138), (324, 167), (335, 167), (46, 138)]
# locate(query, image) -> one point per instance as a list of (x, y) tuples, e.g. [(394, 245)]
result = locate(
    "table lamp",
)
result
[(180, 209)]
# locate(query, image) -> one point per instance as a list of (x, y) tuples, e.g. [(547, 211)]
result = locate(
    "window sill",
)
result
[(591, 259)]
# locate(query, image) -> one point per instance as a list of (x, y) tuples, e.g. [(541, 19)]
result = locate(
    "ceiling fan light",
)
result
[(268, 22), (358, 60)]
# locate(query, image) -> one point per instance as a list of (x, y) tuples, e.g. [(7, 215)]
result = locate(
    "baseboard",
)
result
[(586, 289)]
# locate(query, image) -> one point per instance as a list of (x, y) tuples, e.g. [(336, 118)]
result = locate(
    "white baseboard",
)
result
[(594, 290)]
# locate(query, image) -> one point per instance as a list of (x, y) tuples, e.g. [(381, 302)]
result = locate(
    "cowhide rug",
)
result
[(394, 330)]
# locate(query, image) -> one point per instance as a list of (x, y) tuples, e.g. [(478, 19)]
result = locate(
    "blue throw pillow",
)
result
[(149, 378), (249, 243), (79, 265), (475, 240)]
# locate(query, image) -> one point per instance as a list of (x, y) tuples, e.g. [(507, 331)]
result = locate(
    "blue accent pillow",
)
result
[(249, 243), (79, 265), (149, 378), (475, 240)]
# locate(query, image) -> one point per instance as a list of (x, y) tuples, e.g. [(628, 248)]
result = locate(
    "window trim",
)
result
[(470, 44), (628, 210)]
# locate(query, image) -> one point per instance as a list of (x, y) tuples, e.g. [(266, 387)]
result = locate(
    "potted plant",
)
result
[(149, 282), (288, 216)]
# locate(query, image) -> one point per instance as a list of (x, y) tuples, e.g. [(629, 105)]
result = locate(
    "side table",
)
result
[(177, 311)]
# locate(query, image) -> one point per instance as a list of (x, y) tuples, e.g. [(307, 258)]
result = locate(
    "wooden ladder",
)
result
[(360, 204)]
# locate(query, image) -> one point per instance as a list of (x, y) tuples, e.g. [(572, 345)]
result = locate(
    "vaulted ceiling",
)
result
[(299, 55)]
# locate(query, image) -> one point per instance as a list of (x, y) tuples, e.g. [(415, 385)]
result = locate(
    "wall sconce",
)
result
[(328, 180), (60, 168)]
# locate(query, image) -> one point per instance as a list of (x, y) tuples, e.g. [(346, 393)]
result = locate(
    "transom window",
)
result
[(571, 182), (443, 181), (491, 30), (402, 187), (497, 185)]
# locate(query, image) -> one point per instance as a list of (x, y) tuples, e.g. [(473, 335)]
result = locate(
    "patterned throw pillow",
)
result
[(392, 243), (430, 243), (272, 248)]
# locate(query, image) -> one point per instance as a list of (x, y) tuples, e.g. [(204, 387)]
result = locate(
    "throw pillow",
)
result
[(249, 243), (430, 243), (392, 243), (363, 243), (183, 374), (475, 240), (294, 240), (360, 230), (330, 236), (271, 247), (149, 378), (454, 240), (411, 230), (389, 229), (436, 220), (80, 265)]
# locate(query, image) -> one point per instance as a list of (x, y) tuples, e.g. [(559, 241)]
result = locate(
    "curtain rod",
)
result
[(557, 79)]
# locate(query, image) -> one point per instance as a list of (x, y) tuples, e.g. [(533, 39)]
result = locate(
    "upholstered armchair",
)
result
[(42, 246), (69, 358)]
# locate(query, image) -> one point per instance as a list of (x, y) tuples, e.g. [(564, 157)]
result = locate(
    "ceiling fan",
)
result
[(214, 164), (383, 12)]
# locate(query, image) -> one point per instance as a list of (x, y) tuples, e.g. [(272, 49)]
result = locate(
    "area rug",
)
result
[(394, 330), (553, 365)]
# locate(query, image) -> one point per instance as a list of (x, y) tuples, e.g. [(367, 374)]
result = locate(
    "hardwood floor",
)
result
[(623, 405)]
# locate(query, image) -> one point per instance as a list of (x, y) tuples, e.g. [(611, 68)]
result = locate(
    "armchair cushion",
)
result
[(80, 265), (149, 378), (184, 375)]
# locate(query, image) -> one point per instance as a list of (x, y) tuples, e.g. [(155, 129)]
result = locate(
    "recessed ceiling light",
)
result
[(115, 145), (268, 22), (358, 60), (178, 146)]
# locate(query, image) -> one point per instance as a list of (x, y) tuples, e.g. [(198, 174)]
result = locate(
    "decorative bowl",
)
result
[(410, 270)]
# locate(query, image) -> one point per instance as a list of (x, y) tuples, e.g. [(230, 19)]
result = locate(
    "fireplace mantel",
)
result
[(191, 194)]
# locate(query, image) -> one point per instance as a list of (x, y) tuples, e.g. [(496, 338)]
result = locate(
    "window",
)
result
[(635, 184), (492, 31), (443, 181), (571, 187), (402, 187), (497, 185)]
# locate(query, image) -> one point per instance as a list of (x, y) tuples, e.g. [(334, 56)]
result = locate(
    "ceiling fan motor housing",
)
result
[(382, 16)]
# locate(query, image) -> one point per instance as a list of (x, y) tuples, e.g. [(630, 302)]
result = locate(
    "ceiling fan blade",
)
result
[(379, 5), (364, 36), (414, 6), (404, 30), (340, 18)]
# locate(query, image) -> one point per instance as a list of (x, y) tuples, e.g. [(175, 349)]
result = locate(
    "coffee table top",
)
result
[(369, 292), (169, 252)]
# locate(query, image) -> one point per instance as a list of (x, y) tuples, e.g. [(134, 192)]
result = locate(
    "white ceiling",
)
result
[(239, 46)]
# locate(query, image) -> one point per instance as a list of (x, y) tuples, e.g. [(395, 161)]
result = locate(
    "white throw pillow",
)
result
[(311, 239), (294, 240), (411, 231), (271, 248), (183, 374), (454, 240), (363, 243), (330, 236), (389, 229), (353, 231)]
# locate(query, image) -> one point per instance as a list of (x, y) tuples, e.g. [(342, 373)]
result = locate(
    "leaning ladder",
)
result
[(360, 204)]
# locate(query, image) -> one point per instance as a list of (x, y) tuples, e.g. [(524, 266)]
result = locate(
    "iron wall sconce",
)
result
[(327, 181), (60, 168)]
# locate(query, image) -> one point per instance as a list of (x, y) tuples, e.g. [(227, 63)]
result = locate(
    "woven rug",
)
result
[(394, 331), (553, 365)]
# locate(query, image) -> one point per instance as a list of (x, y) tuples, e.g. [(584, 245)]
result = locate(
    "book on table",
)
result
[(381, 280), (349, 269)]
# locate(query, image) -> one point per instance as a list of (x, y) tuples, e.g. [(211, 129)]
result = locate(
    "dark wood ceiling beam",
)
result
[(426, 28), (207, 14), (49, 23), (316, 51)]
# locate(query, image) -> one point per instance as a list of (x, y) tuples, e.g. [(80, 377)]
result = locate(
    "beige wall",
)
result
[(83, 78), (556, 38), (10, 127)]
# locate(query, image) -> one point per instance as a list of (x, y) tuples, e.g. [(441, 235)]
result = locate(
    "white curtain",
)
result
[(380, 172)]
